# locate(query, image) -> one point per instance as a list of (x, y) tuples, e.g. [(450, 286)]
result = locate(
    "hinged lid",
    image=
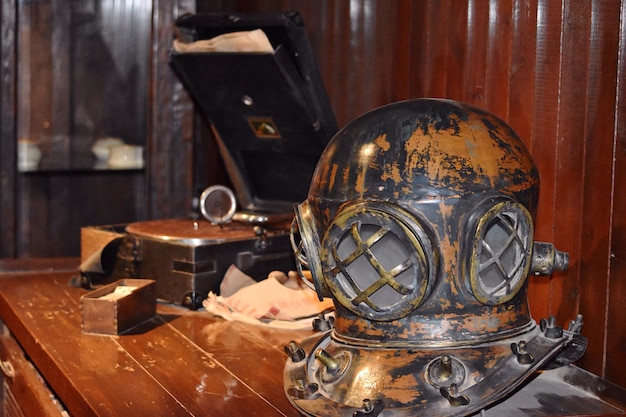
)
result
[(269, 111)]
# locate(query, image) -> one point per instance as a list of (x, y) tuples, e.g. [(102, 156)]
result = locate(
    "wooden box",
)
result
[(119, 306)]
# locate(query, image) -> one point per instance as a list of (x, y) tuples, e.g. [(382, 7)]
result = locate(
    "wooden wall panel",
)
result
[(543, 132), (598, 186), (7, 129), (170, 123), (616, 330), (58, 205), (428, 54), (569, 158), (523, 51), (498, 57)]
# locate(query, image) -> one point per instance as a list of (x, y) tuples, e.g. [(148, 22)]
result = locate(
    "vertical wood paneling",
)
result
[(498, 57), (543, 144), (338, 61), (91, 96), (522, 69), (7, 128), (60, 120), (170, 123), (570, 157), (616, 338), (359, 29), (457, 57), (61, 79), (402, 47), (368, 75), (433, 68), (598, 146), (475, 69), (419, 81), (71, 91)]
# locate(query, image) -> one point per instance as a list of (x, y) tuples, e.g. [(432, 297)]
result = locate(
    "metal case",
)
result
[(188, 258)]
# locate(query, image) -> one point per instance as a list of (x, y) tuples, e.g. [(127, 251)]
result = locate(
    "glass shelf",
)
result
[(81, 79), (76, 162)]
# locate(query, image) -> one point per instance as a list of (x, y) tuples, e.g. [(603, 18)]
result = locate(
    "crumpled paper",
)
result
[(282, 300), (245, 41)]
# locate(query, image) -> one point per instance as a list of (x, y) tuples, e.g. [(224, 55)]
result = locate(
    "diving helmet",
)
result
[(419, 225)]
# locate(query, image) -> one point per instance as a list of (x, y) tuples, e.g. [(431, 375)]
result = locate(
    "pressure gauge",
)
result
[(218, 204)]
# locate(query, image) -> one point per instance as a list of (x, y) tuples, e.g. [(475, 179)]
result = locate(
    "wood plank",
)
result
[(196, 377), (604, 21), (475, 69), (402, 44), (170, 121), (253, 353), (456, 55), (26, 386), (616, 339), (522, 72), (43, 314), (433, 65), (499, 57), (570, 156), (530, 56), (8, 129), (12, 266), (544, 140)]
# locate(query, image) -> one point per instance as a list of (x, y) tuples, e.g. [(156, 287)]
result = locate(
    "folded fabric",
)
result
[(279, 301)]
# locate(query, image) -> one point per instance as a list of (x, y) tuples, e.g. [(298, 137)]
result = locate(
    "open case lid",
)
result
[(269, 111)]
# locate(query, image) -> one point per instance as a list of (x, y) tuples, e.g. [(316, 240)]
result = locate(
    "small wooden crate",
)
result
[(119, 306)]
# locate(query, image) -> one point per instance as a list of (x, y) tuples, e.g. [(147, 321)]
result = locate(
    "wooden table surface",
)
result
[(179, 363)]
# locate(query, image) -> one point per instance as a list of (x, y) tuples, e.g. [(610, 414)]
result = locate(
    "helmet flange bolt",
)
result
[(369, 409), (295, 352), (576, 325), (550, 329), (323, 324), (451, 394), (445, 371), (523, 356), (302, 390)]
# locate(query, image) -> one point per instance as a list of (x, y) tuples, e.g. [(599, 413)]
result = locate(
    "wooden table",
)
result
[(178, 363)]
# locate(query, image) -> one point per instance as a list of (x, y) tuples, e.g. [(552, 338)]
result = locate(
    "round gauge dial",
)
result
[(218, 204)]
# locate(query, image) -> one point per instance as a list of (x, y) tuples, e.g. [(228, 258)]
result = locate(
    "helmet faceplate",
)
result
[(419, 225)]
